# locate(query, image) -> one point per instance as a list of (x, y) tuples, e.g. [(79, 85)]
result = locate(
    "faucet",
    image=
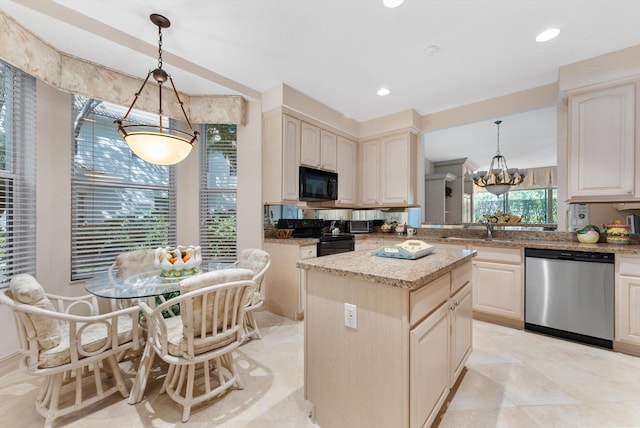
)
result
[(489, 225)]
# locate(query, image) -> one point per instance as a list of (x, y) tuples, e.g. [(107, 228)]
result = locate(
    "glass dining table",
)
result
[(147, 284), (128, 291)]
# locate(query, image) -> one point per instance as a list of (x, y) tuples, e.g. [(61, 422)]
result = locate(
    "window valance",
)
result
[(25, 51)]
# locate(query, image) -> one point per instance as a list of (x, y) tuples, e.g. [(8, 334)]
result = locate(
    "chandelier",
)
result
[(500, 177), (158, 144)]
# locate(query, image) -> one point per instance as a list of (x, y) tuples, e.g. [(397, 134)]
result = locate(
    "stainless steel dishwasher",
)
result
[(570, 294)]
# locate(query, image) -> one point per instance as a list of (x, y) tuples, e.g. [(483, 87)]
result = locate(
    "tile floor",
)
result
[(513, 379)]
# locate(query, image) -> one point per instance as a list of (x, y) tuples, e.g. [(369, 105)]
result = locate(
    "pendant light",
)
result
[(500, 177), (158, 144)]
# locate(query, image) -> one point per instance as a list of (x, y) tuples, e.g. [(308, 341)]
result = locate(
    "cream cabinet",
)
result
[(280, 158), (398, 169), (461, 309), (627, 297), (370, 167), (318, 147), (284, 282), (389, 170), (429, 367), (498, 286), (309, 145), (328, 151), (440, 344), (347, 171), (602, 145)]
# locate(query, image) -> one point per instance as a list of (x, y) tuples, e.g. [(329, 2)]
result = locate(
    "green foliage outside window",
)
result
[(535, 206)]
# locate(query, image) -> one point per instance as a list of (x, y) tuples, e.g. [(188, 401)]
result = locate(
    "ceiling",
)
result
[(340, 52)]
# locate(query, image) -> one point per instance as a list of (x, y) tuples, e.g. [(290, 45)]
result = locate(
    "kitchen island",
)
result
[(408, 338)]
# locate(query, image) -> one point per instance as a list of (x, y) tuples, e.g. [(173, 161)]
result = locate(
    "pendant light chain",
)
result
[(159, 47), (498, 122)]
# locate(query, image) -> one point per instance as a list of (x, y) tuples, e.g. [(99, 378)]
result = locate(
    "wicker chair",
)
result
[(129, 264), (257, 261), (202, 338), (66, 341)]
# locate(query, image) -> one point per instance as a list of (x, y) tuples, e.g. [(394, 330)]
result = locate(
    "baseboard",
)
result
[(497, 319), (626, 348), (9, 363)]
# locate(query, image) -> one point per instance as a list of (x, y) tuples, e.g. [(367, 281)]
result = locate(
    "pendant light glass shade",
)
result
[(157, 148), (157, 144), (500, 177)]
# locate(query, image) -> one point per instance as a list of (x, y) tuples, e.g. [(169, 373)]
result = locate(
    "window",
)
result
[(17, 173), (218, 189), (118, 201), (535, 206)]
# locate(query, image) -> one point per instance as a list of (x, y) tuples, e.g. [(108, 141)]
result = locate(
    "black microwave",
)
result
[(318, 185)]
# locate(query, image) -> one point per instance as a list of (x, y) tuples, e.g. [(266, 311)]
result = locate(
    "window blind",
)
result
[(17, 173), (218, 192), (119, 202)]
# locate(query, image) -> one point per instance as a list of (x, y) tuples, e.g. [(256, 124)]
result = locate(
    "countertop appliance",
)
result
[(317, 185), (359, 226), (328, 243), (570, 294)]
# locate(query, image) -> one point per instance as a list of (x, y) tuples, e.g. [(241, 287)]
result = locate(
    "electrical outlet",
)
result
[(350, 315)]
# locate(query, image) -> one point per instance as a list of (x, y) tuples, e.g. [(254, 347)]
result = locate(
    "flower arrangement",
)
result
[(500, 217)]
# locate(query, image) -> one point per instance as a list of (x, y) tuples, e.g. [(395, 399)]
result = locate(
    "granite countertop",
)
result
[(292, 241), (542, 240), (411, 274), (561, 241)]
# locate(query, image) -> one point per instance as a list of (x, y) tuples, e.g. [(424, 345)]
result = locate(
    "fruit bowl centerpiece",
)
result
[(179, 261)]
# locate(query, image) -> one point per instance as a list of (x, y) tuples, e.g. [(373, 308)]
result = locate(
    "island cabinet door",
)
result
[(461, 330), (429, 367)]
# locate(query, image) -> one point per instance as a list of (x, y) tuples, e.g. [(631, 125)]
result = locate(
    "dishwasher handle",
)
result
[(578, 256)]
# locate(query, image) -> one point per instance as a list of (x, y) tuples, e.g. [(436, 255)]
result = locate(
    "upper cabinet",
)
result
[(328, 150), (379, 172), (317, 147), (389, 170), (280, 158), (346, 166), (370, 178), (602, 147), (309, 145)]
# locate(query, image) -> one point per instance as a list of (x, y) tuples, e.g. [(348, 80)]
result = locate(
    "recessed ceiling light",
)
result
[(392, 3), (383, 92), (548, 34)]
